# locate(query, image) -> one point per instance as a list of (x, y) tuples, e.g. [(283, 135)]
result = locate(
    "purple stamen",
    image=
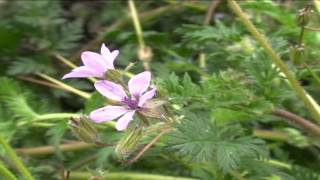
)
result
[(132, 102)]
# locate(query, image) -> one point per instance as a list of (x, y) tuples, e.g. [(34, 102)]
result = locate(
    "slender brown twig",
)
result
[(44, 150), (45, 83), (213, 6), (146, 147), (306, 124)]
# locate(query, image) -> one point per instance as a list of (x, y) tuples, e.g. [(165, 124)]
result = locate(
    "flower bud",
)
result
[(84, 129), (153, 108), (129, 143), (145, 54), (304, 15)]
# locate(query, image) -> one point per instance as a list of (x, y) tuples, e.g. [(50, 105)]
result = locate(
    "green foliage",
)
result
[(15, 100), (226, 92), (201, 140), (24, 66), (300, 172), (202, 34), (67, 38), (55, 135)]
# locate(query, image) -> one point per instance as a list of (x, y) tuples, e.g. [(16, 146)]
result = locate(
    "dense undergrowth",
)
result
[(229, 108)]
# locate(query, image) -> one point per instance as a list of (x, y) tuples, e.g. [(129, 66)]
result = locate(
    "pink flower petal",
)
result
[(124, 121), (109, 56), (110, 90), (146, 96), (139, 83), (107, 113), (81, 72), (94, 61)]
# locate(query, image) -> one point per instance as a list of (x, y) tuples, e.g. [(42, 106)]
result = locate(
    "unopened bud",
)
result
[(145, 54), (129, 143), (153, 108), (84, 129), (304, 15)]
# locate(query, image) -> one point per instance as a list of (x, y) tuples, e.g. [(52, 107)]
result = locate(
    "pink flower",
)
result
[(137, 85), (95, 65)]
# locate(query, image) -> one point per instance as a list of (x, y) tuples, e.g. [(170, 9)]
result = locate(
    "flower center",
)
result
[(132, 102)]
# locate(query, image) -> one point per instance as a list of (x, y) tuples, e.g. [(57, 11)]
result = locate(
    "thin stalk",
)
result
[(301, 93), (203, 60), (49, 117), (45, 150), (302, 20), (65, 86), (56, 116), (45, 83), (15, 159), (144, 149), (300, 42), (53, 116), (306, 124), (136, 23), (6, 173), (279, 164), (137, 26), (43, 124), (213, 6), (126, 175), (271, 135), (312, 28)]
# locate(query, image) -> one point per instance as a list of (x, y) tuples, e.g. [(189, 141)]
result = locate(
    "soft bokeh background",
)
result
[(39, 38)]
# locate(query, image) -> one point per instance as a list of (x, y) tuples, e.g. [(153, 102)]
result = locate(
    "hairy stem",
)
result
[(271, 135), (45, 150), (213, 6), (6, 173), (136, 23), (276, 59), (144, 149), (15, 159), (312, 28), (65, 86), (315, 129), (45, 83), (137, 26), (279, 164), (49, 117)]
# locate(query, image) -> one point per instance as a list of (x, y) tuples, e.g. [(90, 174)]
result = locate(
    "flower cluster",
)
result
[(130, 99)]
